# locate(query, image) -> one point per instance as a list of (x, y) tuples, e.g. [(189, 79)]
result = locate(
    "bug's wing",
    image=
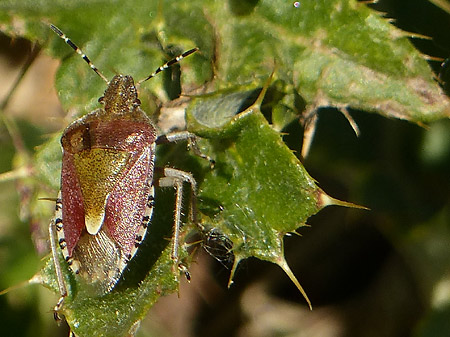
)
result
[(129, 206), (73, 206)]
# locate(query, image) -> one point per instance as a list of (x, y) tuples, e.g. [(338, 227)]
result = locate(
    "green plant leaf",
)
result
[(329, 52), (259, 191)]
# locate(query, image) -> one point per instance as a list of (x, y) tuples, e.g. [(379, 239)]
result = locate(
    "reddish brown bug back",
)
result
[(106, 184), (107, 194)]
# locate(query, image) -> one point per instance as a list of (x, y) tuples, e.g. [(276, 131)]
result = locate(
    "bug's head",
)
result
[(120, 96)]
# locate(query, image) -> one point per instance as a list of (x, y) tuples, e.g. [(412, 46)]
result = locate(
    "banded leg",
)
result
[(54, 226)]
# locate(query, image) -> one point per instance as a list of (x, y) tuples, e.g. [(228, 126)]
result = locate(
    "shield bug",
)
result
[(107, 184)]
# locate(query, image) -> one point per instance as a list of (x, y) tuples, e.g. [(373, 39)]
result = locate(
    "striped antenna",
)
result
[(79, 52), (170, 63)]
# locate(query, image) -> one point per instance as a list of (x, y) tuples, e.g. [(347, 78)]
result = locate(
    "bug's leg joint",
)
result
[(57, 308), (190, 138), (175, 178)]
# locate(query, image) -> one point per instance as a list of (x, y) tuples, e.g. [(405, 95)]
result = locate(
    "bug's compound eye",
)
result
[(101, 99)]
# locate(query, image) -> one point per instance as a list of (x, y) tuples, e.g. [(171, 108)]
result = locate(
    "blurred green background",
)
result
[(380, 273)]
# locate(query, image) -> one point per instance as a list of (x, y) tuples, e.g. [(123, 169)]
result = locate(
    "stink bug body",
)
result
[(107, 184)]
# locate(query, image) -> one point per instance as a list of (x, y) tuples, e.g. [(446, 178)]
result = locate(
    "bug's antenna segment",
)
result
[(170, 63), (78, 51)]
